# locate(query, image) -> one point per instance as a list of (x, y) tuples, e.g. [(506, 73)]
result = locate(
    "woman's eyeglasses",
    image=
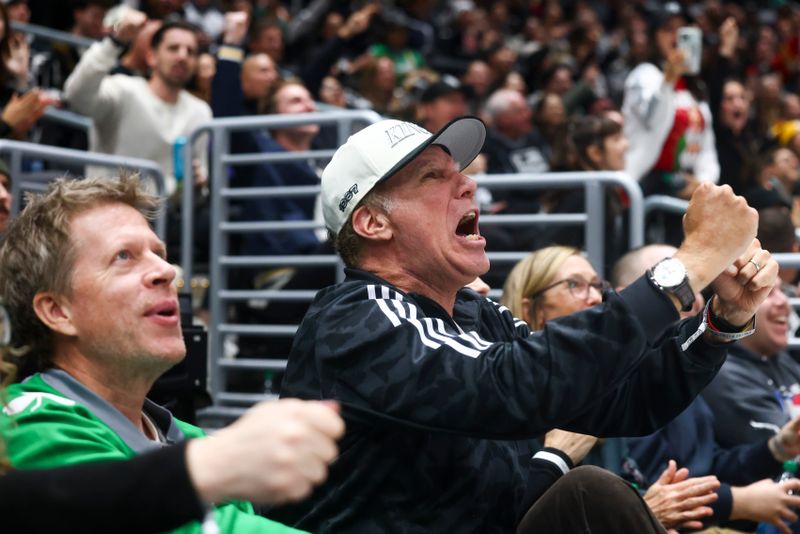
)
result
[(579, 289)]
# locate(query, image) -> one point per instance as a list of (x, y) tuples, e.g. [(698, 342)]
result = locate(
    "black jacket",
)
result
[(432, 402), (150, 493)]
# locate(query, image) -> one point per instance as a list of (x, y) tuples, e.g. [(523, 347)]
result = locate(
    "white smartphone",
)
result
[(690, 40)]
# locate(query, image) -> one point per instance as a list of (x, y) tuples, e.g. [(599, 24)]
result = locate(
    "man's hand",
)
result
[(574, 445), (679, 501), (719, 226), (785, 445), (767, 501), (236, 23), (276, 452), (129, 25), (358, 22), (742, 288)]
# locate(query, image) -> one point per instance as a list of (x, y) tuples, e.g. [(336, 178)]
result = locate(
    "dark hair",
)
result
[(775, 229), (259, 26), (5, 44), (83, 4), (585, 132), (172, 25), (271, 106)]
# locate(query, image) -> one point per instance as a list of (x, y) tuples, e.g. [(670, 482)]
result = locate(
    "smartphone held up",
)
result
[(690, 40)]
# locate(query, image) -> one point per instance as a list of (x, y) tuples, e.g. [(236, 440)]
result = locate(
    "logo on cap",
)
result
[(348, 197), (401, 131)]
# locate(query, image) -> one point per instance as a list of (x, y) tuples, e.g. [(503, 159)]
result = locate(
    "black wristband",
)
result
[(119, 44), (722, 325)]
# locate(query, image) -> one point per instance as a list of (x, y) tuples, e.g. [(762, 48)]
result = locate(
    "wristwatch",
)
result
[(669, 275)]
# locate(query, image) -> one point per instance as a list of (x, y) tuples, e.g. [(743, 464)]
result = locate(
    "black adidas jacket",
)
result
[(433, 403)]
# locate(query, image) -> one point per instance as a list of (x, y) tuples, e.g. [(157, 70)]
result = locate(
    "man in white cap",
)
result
[(435, 380)]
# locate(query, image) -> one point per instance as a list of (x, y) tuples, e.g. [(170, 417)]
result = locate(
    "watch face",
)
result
[(669, 272)]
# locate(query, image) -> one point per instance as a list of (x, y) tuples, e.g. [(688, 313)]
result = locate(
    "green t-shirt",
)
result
[(42, 428)]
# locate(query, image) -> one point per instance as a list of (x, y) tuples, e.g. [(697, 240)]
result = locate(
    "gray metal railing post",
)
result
[(595, 226), (16, 181), (218, 249)]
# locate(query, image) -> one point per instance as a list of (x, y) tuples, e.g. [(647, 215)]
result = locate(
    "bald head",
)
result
[(634, 264), (259, 74)]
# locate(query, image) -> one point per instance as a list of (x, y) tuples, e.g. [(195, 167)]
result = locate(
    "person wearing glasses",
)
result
[(557, 281)]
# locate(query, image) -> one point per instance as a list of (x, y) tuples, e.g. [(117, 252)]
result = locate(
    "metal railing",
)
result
[(592, 219), (57, 36), (664, 203), (221, 195), (220, 130), (21, 181), (68, 118)]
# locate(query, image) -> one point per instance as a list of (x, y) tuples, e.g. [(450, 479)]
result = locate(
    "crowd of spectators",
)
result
[(529, 69)]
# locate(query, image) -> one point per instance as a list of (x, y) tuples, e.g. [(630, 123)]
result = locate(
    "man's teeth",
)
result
[(472, 237)]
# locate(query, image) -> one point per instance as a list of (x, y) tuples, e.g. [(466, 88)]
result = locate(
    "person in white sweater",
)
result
[(672, 148), (133, 116)]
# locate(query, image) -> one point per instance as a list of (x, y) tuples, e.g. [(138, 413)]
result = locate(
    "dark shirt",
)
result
[(752, 396), (689, 440), (433, 403)]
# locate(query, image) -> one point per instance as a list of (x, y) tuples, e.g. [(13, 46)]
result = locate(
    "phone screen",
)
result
[(690, 40)]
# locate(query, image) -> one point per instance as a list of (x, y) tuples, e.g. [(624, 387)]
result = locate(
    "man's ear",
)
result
[(54, 311), (150, 58), (371, 223)]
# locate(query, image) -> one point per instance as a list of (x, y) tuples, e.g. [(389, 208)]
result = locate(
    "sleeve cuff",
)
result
[(556, 457), (230, 53), (761, 461), (722, 507)]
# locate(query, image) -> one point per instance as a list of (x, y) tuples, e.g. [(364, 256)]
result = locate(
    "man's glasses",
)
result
[(579, 289)]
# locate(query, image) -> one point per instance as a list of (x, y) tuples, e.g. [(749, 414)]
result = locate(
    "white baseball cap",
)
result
[(375, 153)]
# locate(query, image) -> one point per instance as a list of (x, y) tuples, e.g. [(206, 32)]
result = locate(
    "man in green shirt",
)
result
[(95, 312)]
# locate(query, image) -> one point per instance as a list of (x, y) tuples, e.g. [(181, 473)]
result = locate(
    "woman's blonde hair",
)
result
[(531, 274)]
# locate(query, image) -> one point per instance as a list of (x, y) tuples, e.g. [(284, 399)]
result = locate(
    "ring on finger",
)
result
[(755, 264)]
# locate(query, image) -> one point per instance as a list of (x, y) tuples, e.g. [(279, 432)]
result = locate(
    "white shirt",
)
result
[(128, 118)]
